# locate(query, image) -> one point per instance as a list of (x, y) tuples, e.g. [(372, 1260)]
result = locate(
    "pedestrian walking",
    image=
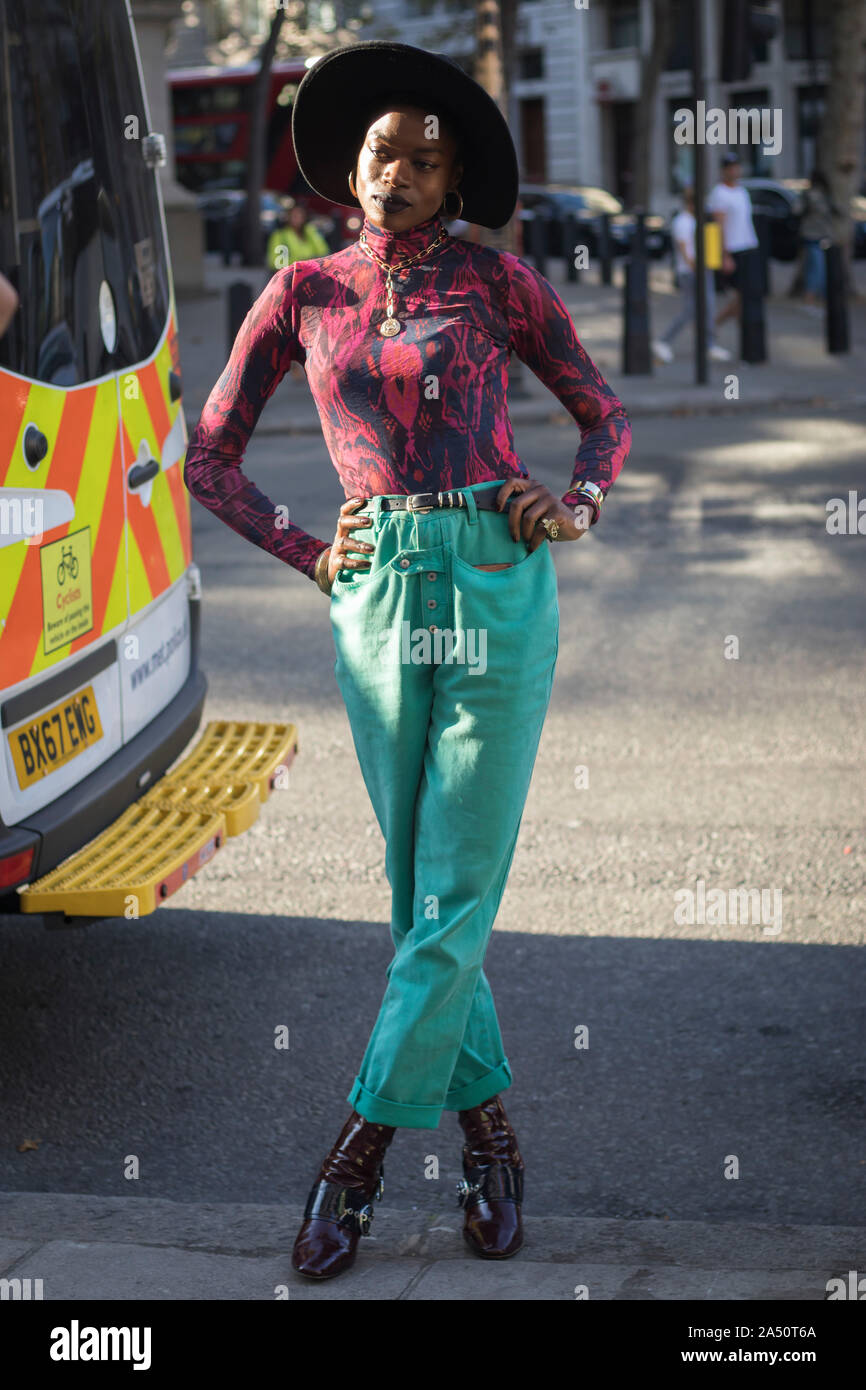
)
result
[(443, 593), (731, 203), (683, 234), (297, 238), (816, 231)]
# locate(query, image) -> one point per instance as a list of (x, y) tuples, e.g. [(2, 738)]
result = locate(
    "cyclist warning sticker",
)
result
[(67, 589)]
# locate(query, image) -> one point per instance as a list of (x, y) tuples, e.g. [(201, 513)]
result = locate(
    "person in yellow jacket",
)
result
[(298, 239)]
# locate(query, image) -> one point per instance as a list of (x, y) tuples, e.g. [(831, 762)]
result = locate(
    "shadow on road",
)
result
[(156, 1039)]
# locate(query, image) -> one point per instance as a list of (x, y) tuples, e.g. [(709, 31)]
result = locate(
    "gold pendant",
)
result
[(389, 327)]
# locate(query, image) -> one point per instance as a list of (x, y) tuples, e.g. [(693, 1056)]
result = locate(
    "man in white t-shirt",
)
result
[(683, 234), (733, 209)]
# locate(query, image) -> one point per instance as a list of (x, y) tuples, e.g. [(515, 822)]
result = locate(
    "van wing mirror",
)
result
[(153, 150)]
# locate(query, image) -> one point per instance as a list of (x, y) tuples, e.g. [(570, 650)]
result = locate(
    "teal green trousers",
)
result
[(446, 672)]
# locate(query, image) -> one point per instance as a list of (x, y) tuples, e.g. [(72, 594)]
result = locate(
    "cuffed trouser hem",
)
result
[(478, 1091), (388, 1112)]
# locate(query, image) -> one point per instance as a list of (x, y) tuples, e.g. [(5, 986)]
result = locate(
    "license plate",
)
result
[(55, 737), (654, 241)]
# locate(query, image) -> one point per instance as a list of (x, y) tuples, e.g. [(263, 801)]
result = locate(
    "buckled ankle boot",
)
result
[(492, 1187), (339, 1208)]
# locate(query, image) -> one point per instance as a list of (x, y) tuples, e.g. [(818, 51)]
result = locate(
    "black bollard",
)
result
[(554, 235), (637, 358), (604, 248), (569, 246), (544, 239), (836, 304), (537, 239), (753, 347), (239, 301)]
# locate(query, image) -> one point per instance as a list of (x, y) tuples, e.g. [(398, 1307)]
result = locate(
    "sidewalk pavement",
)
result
[(799, 371), (131, 1248)]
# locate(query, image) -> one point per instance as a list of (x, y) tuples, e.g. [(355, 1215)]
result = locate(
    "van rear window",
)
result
[(49, 238), (78, 204)]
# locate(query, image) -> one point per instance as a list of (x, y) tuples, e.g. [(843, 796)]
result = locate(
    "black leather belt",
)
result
[(430, 501)]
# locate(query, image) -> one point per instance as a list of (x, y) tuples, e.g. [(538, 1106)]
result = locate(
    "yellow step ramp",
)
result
[(174, 829)]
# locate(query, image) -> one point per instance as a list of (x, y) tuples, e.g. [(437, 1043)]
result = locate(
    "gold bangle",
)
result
[(321, 571), (585, 492)]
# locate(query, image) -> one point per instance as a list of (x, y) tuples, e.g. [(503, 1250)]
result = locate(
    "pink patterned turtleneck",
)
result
[(422, 411)]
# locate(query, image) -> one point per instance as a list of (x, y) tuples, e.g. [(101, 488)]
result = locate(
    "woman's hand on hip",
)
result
[(344, 554), (534, 502)]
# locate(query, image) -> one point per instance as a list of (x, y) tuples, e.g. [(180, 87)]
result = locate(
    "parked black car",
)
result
[(222, 211), (782, 200), (587, 205)]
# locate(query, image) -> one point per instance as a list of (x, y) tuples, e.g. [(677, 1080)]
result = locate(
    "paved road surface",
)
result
[(705, 1041)]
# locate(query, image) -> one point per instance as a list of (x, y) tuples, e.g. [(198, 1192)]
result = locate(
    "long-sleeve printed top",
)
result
[(423, 411)]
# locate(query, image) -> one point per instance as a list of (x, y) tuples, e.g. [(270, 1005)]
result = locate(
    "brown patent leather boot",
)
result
[(339, 1208), (492, 1188)]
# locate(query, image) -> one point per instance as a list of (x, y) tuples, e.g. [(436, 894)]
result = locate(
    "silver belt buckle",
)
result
[(416, 496)]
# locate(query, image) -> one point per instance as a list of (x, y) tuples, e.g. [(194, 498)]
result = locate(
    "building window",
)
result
[(623, 24), (531, 64), (810, 109), (681, 158), (623, 119), (680, 49), (806, 29), (760, 52), (754, 163), (533, 142)]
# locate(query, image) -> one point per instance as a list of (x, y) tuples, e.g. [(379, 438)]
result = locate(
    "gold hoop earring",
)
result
[(445, 199), (352, 189)]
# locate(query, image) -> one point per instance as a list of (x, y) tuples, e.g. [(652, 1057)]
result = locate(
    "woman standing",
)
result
[(443, 599)]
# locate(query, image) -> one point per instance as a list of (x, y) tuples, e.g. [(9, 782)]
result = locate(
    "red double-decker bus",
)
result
[(211, 121)]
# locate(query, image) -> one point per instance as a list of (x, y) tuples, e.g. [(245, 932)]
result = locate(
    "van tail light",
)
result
[(15, 868)]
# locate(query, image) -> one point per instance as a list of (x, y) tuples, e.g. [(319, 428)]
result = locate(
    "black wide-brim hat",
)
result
[(335, 102)]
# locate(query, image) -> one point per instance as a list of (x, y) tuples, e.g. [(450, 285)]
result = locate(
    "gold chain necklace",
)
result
[(391, 323)]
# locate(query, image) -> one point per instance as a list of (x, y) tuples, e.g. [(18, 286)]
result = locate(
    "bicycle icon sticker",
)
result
[(67, 589), (68, 562)]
